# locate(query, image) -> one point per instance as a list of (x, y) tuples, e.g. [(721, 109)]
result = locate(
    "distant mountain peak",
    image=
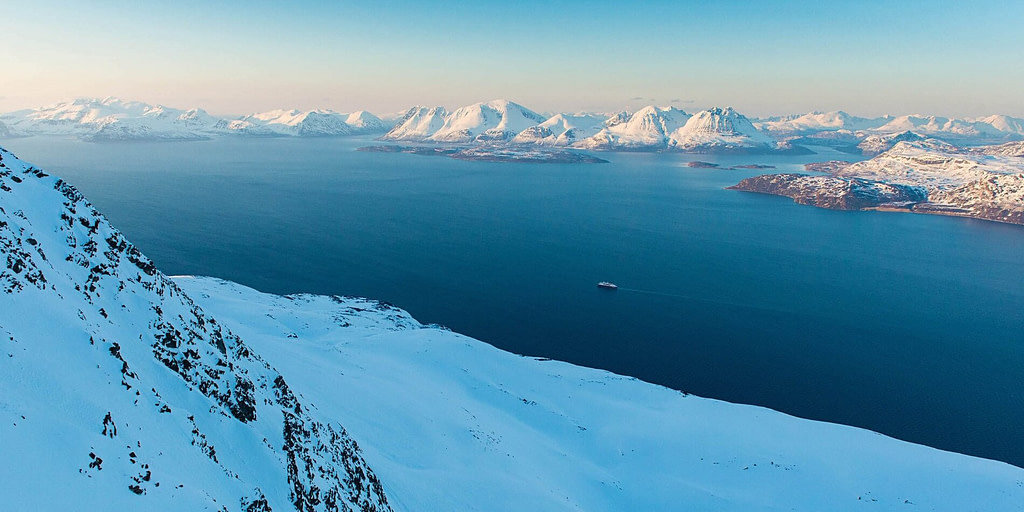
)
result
[(720, 129), (495, 120)]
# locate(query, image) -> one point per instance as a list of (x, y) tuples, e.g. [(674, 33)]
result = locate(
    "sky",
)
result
[(761, 57)]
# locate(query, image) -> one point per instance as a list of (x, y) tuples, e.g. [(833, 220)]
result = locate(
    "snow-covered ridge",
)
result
[(128, 390)]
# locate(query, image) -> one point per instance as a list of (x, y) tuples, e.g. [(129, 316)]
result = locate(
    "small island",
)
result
[(711, 165)]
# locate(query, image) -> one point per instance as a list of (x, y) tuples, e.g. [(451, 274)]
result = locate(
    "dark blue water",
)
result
[(910, 325)]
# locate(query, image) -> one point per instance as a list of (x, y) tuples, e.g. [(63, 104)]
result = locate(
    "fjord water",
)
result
[(910, 325)]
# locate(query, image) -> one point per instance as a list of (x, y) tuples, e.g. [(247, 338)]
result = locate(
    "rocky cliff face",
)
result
[(124, 394)]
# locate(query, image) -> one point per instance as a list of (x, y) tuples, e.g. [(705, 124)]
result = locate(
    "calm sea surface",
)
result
[(910, 325)]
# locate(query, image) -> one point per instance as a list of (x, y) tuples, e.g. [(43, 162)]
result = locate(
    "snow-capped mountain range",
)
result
[(124, 389), (650, 128), (111, 119)]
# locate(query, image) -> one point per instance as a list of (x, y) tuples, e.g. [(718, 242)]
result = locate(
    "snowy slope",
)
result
[(497, 120), (120, 393), (718, 129), (418, 123), (450, 423), (561, 130), (647, 128)]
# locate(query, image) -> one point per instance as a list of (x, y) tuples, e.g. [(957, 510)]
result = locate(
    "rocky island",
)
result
[(920, 176), (832, 192)]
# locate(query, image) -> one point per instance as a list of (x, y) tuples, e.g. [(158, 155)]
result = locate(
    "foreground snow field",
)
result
[(122, 389), (451, 423)]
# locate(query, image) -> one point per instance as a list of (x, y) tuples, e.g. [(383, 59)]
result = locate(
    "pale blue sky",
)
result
[(869, 58)]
